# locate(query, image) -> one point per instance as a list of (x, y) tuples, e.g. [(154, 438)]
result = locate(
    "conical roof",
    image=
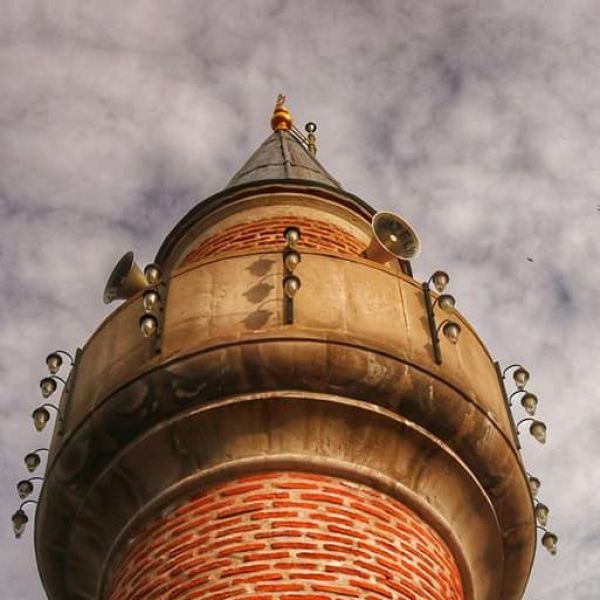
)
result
[(287, 156), (282, 156)]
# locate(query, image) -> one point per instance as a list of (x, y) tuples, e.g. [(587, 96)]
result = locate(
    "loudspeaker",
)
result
[(392, 237), (125, 280)]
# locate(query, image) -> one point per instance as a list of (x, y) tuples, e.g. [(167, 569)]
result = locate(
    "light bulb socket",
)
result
[(40, 417), (529, 402), (440, 280), (541, 513), (291, 235), (534, 485), (521, 377), (32, 461), (54, 362), (291, 285), (550, 542), (451, 331), (48, 386), (538, 430), (19, 521), (149, 325), (152, 273), (291, 259), (446, 302), (151, 300), (24, 488)]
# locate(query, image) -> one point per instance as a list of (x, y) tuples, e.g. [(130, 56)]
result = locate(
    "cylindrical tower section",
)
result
[(287, 534)]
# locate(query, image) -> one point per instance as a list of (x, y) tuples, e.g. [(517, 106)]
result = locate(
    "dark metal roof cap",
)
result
[(282, 156)]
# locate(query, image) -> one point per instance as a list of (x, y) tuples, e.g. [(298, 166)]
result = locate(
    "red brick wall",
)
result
[(288, 536), (268, 234)]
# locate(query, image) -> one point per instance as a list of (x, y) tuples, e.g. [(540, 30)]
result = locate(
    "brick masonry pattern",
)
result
[(268, 234), (288, 536)]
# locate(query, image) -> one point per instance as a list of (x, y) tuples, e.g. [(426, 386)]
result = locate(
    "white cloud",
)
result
[(479, 122)]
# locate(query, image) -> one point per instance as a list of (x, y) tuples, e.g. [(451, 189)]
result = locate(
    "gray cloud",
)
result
[(476, 121)]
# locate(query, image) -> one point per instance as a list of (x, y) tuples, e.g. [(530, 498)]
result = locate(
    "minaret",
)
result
[(279, 410)]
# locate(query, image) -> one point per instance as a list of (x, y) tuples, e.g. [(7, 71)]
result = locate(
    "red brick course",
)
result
[(268, 234), (332, 540)]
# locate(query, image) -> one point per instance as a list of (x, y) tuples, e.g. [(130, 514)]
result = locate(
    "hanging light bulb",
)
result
[(32, 461), (440, 280), (452, 331), (48, 386), (24, 488), (541, 513), (151, 300), (40, 417), (148, 325), (54, 362), (534, 485), (538, 431), (446, 302), (291, 284), (521, 377), (550, 541), (152, 273), (529, 402), (291, 259), (291, 235), (19, 520)]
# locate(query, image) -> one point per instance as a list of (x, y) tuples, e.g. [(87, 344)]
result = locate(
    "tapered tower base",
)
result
[(291, 535)]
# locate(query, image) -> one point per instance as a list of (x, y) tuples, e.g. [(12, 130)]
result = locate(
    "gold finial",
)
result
[(281, 119)]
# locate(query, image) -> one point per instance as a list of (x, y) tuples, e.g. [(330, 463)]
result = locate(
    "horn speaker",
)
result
[(125, 280), (392, 237)]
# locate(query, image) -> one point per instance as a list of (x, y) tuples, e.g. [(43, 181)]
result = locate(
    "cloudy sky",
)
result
[(479, 122)]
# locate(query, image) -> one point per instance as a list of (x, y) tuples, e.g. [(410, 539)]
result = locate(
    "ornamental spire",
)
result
[(281, 119)]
